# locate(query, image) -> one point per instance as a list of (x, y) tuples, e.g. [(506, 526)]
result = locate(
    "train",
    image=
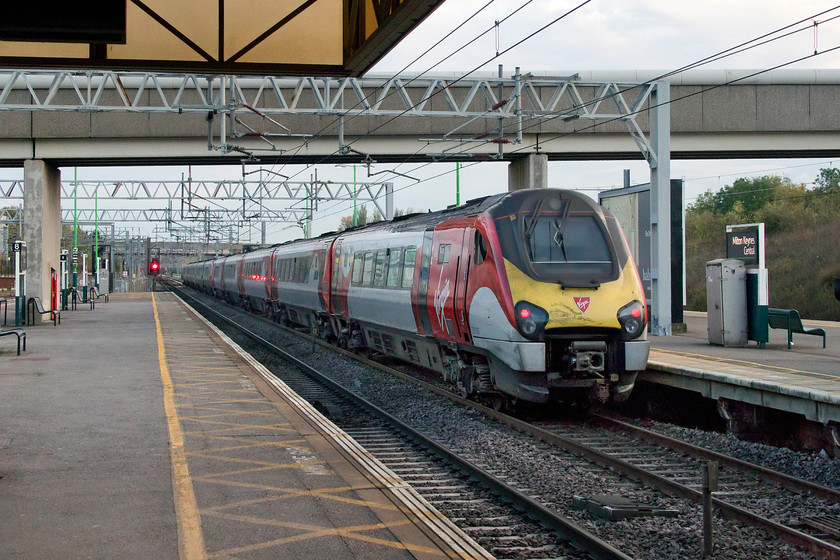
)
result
[(527, 296)]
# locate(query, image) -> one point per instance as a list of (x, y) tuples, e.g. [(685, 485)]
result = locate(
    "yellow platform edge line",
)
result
[(461, 544), (190, 537)]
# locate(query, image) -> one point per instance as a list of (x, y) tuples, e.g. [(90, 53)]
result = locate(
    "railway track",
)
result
[(505, 522), (667, 465)]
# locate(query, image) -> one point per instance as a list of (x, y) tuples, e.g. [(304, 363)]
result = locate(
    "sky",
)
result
[(537, 37)]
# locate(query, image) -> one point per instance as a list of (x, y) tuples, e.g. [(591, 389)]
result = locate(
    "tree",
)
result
[(828, 181), (362, 217)]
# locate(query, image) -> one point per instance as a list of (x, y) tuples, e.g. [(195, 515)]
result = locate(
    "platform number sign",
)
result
[(742, 245)]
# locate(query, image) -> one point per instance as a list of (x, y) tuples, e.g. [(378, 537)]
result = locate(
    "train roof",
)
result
[(425, 220)]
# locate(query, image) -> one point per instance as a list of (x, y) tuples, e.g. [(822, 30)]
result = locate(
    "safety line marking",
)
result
[(462, 544), (190, 537), (733, 361)]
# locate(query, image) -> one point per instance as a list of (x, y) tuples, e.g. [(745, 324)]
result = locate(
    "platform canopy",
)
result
[(242, 37)]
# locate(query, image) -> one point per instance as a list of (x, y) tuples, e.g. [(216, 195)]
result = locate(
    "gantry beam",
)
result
[(214, 216), (210, 190), (256, 194), (253, 115)]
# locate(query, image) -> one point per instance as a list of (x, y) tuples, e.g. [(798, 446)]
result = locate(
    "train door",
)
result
[(464, 262), (342, 266), (446, 288)]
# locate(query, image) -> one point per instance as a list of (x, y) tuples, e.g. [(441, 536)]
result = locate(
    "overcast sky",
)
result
[(600, 35)]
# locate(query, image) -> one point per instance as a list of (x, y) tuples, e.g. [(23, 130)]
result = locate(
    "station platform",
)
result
[(137, 430), (803, 380)]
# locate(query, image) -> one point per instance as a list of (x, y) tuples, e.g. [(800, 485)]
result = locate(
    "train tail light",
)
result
[(633, 319), (530, 320)]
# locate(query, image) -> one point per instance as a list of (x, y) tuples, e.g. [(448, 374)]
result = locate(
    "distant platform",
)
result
[(803, 380)]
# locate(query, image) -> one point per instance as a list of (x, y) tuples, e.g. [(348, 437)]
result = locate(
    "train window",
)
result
[(358, 266), (408, 267), (480, 248), (367, 275), (300, 272), (379, 269), (443, 253), (394, 268), (306, 264), (580, 241)]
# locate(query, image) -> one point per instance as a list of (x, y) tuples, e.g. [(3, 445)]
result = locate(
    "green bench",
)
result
[(789, 319), (19, 333)]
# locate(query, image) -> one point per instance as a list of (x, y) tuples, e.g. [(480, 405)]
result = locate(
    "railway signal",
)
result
[(154, 267)]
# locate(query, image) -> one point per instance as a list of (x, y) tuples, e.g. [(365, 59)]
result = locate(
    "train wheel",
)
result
[(466, 385), (498, 403)]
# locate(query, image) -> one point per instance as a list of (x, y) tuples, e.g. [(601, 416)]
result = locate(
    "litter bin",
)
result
[(726, 302), (757, 305)]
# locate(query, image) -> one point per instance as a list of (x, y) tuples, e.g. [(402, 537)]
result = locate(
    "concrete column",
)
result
[(529, 172), (42, 227)]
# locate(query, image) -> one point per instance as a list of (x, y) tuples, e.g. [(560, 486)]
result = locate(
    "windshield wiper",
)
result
[(559, 239), (529, 231), (536, 214)]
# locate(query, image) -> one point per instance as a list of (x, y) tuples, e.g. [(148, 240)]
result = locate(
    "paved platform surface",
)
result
[(137, 431), (804, 379)]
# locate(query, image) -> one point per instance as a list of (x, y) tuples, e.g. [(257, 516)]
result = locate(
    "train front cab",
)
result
[(576, 300)]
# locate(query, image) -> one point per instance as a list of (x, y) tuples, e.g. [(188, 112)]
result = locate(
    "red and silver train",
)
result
[(530, 295)]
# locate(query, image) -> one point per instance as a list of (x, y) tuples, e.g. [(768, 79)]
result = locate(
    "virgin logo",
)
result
[(582, 303)]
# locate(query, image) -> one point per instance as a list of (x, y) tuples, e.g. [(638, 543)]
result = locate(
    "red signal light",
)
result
[(154, 267), (524, 313)]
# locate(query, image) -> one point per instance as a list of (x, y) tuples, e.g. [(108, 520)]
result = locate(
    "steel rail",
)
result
[(824, 549), (770, 475), (576, 534), (731, 511)]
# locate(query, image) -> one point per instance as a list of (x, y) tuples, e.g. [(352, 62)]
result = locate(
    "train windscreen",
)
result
[(554, 237)]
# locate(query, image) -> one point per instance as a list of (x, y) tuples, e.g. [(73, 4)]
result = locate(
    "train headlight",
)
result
[(530, 320), (633, 319)]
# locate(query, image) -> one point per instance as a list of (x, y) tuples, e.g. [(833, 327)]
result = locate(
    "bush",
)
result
[(803, 255)]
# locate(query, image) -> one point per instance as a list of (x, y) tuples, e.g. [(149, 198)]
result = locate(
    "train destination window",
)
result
[(394, 268), (367, 275), (408, 267)]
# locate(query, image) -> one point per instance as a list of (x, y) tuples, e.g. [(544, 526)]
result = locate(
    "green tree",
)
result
[(362, 217), (828, 181), (751, 194)]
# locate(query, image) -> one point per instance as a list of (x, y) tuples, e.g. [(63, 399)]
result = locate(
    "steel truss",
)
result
[(517, 99), (255, 193), (216, 216)]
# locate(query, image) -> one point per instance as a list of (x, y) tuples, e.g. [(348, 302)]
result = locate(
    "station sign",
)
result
[(743, 246)]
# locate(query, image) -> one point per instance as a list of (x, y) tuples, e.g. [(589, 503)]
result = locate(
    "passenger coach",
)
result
[(529, 295)]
